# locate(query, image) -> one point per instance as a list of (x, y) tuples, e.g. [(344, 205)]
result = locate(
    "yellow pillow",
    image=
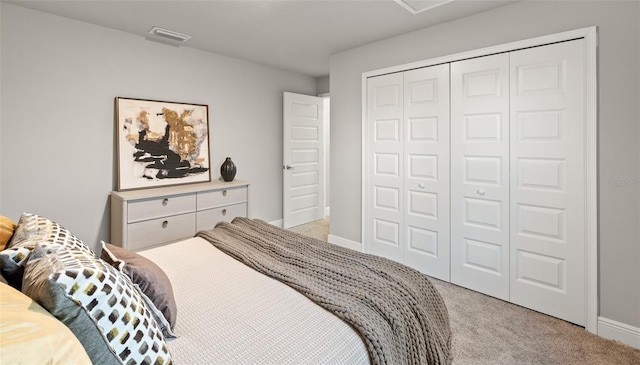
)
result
[(31, 335), (7, 226)]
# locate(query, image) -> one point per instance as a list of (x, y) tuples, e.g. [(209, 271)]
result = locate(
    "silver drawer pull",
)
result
[(224, 212), (165, 201), (224, 193), (165, 224)]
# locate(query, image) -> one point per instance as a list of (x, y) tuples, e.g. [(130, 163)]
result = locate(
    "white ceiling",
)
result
[(297, 35)]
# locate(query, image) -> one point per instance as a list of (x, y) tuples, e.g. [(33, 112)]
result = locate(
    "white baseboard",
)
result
[(622, 332), (345, 242), (277, 223)]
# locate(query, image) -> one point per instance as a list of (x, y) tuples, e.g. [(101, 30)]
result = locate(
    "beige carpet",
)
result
[(318, 229), (490, 331)]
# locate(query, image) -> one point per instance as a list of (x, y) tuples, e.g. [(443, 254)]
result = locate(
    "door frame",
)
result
[(590, 36), (326, 134)]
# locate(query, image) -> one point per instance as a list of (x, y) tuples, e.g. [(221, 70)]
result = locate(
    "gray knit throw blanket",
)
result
[(400, 316)]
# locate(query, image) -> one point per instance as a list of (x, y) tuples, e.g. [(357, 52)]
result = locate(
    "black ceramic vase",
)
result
[(228, 170)]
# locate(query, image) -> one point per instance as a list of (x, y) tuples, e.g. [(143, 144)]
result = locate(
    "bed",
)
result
[(243, 293)]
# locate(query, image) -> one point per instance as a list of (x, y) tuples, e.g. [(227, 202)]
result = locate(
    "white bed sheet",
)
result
[(230, 314)]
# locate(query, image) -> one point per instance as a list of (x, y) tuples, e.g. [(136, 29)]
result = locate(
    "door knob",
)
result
[(422, 185), (289, 167), (480, 192)]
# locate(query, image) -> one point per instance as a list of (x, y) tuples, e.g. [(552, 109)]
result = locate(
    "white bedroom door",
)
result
[(302, 159), (548, 180), (384, 213), (480, 174), (426, 170)]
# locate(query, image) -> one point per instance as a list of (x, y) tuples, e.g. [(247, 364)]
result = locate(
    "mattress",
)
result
[(230, 314)]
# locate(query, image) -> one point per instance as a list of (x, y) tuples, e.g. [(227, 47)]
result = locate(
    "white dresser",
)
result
[(151, 217)]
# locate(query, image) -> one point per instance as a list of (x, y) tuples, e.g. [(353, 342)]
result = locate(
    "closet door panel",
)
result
[(547, 182), (480, 174), (426, 168), (384, 217)]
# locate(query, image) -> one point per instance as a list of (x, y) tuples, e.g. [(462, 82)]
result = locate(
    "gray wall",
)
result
[(59, 80), (619, 133), (323, 85)]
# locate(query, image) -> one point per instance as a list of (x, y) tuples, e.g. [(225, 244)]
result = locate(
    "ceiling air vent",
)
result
[(418, 6), (169, 34)]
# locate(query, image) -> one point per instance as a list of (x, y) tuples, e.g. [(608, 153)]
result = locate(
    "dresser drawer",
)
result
[(207, 219), (154, 232), (218, 198), (161, 206)]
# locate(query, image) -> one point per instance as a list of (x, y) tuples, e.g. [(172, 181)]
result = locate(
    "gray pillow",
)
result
[(98, 303), (149, 277)]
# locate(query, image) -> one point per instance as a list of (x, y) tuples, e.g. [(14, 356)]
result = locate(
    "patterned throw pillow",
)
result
[(98, 303), (12, 265), (33, 229)]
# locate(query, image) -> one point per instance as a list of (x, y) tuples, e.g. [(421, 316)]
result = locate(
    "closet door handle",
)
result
[(422, 185), (480, 192)]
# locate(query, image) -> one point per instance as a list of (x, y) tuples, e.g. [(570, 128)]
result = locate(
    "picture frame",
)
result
[(161, 143)]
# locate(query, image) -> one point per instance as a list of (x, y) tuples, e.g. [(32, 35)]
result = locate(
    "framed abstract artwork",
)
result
[(161, 143)]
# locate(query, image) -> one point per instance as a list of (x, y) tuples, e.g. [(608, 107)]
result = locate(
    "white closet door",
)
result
[(480, 174), (548, 180), (384, 218), (426, 167)]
